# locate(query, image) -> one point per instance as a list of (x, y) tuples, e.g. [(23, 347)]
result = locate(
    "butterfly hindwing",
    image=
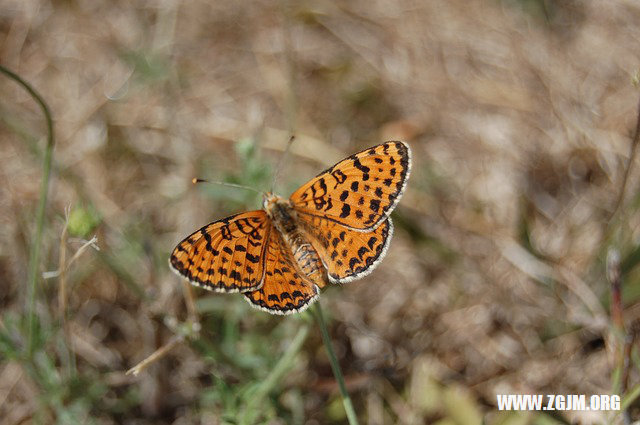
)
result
[(347, 254), (285, 290), (226, 255), (360, 191)]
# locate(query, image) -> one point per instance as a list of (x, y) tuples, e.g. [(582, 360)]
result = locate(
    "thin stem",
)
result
[(633, 149), (34, 257), (62, 299), (614, 276), (62, 277), (159, 353), (335, 366)]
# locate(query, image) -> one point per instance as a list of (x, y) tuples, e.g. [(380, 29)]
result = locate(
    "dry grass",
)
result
[(519, 114)]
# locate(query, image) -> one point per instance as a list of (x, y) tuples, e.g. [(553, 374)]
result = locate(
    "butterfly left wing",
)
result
[(226, 255), (284, 291), (360, 191), (346, 254)]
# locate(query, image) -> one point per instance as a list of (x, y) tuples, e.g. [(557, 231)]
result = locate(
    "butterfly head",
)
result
[(274, 204)]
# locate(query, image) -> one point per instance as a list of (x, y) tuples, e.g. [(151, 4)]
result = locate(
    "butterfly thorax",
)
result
[(284, 218)]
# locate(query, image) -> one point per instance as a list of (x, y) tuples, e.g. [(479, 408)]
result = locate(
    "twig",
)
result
[(86, 244), (34, 257), (181, 331), (629, 342), (623, 341), (159, 353)]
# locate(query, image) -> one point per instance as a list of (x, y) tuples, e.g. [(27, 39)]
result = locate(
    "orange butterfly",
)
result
[(333, 229)]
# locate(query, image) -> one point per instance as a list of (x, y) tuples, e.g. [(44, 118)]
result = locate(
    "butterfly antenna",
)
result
[(284, 156), (239, 186)]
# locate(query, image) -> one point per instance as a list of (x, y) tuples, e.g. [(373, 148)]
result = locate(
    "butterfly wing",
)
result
[(347, 254), (285, 291), (360, 191), (226, 255)]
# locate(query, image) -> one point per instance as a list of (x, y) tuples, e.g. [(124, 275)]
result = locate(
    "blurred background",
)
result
[(520, 115)]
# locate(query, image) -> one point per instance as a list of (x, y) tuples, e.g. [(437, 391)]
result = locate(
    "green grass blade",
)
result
[(34, 255), (256, 397), (335, 366)]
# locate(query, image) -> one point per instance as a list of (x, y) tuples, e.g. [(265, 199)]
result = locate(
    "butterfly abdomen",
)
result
[(307, 259)]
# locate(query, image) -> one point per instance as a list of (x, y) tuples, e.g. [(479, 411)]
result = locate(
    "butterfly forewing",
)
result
[(285, 290), (226, 255), (360, 191), (347, 254)]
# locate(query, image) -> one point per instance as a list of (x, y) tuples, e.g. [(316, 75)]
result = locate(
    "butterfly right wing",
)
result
[(226, 255), (360, 191), (347, 254), (285, 290)]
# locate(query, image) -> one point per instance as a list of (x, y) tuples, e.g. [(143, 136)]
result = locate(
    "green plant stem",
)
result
[(335, 366), (629, 398), (34, 255), (255, 398)]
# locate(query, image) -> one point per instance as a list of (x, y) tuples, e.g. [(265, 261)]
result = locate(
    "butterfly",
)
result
[(333, 229)]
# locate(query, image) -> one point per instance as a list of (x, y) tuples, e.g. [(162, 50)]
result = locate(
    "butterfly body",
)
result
[(333, 229), (285, 221)]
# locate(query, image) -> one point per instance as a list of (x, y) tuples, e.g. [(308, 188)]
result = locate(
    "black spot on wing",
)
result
[(339, 176), (365, 170), (346, 210)]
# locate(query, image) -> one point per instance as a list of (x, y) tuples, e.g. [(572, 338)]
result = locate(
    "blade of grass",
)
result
[(256, 397), (629, 398), (34, 255), (335, 366)]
